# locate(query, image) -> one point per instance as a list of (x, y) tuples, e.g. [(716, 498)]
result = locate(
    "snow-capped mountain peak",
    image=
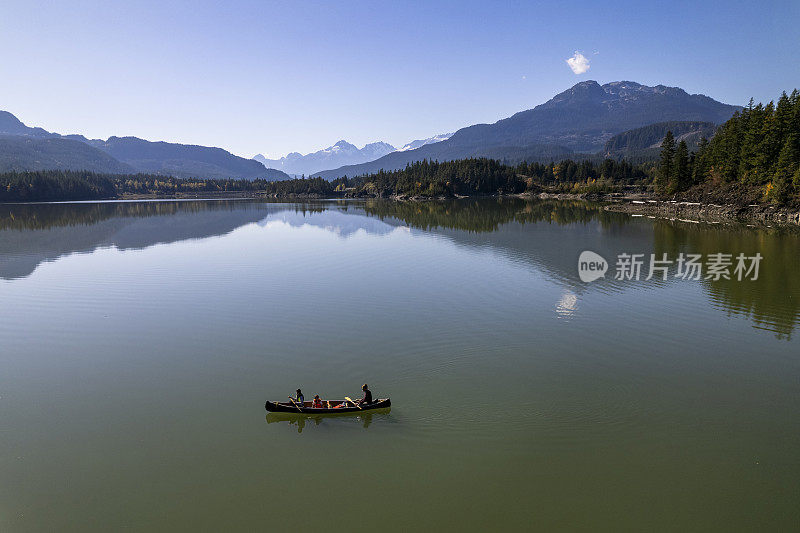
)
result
[(340, 154), (422, 142)]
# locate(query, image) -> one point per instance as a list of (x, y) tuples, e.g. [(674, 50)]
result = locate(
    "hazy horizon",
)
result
[(274, 78)]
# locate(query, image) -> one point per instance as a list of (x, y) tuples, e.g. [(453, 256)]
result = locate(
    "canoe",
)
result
[(289, 407)]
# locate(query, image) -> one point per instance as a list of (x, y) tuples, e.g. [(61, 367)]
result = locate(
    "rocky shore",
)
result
[(697, 211), (702, 203)]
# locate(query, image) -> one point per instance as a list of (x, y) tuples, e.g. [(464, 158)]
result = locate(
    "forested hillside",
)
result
[(184, 160), (31, 153), (757, 147), (643, 143)]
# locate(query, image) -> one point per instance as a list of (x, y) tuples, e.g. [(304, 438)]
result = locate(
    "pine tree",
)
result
[(700, 164), (665, 164), (751, 138), (680, 178), (725, 147), (783, 115), (782, 187), (794, 123)]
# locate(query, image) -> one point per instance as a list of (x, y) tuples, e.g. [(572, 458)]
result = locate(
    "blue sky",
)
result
[(275, 77)]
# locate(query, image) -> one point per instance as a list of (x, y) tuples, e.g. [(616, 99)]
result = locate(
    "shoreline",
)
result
[(707, 212), (632, 203)]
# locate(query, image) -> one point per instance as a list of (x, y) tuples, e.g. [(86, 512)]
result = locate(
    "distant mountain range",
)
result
[(26, 148), (340, 154), (579, 120)]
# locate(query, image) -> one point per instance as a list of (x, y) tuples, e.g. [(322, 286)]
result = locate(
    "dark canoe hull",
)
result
[(287, 407)]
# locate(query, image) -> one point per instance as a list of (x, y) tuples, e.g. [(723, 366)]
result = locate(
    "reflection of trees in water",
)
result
[(45, 216), (773, 300), (485, 215)]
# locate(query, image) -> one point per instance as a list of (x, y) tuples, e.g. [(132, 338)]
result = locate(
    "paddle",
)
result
[(295, 404), (351, 401)]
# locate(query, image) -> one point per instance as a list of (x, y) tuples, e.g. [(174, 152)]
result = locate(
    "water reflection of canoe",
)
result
[(301, 420), (289, 407)]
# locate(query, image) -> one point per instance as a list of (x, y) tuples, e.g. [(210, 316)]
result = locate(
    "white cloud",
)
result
[(578, 63)]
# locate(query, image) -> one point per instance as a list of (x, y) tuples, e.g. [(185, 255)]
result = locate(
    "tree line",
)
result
[(61, 185), (470, 177), (464, 177)]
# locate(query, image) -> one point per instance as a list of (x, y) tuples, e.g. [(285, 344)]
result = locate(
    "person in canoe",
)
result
[(367, 395), (317, 402), (299, 398)]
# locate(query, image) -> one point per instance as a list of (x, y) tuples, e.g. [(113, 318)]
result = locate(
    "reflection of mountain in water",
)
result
[(33, 234), (342, 223), (546, 235)]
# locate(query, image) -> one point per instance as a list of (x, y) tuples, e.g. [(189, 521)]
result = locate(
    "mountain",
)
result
[(26, 148), (646, 141), (422, 142), (580, 119), (340, 154), (30, 152), (584, 117), (11, 125), (184, 160)]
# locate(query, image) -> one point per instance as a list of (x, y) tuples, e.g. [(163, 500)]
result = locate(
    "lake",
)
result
[(140, 340)]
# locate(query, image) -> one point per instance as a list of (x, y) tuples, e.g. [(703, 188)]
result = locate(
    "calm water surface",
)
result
[(139, 341)]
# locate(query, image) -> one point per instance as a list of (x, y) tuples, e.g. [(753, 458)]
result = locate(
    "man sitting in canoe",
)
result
[(367, 395), (299, 399), (317, 402)]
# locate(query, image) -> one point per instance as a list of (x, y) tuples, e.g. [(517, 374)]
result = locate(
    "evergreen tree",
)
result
[(700, 163), (665, 164), (784, 115), (680, 178), (724, 149), (781, 188)]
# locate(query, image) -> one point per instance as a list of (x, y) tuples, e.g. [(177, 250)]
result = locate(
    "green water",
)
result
[(139, 341)]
